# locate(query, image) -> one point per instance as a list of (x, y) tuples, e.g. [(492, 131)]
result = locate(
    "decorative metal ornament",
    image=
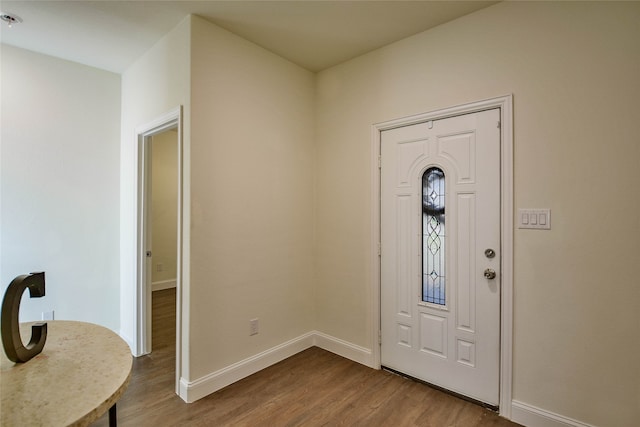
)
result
[(11, 340)]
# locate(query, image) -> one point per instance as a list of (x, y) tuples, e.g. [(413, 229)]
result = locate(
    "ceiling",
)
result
[(112, 34)]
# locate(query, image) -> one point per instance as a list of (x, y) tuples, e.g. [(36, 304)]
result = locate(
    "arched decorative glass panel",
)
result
[(433, 237)]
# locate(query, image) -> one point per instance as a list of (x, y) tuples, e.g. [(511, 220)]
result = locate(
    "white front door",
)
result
[(440, 249)]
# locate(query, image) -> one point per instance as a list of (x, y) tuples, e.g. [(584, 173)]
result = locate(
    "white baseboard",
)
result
[(343, 348), (163, 284), (190, 391), (530, 416)]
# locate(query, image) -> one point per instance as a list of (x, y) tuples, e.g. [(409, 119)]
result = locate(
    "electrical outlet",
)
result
[(47, 315), (253, 327), (159, 267)]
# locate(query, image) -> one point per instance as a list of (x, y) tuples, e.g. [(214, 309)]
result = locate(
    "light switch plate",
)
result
[(539, 219)]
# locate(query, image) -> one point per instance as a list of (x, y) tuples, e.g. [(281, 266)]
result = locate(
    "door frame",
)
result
[(170, 120), (505, 104)]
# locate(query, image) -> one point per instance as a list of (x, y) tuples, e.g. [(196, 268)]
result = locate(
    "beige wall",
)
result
[(164, 205), (252, 199), (277, 201), (59, 184), (573, 69)]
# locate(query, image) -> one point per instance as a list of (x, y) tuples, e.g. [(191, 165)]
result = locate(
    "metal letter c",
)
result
[(11, 340)]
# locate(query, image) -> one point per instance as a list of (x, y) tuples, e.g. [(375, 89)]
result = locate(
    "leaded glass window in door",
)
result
[(433, 236)]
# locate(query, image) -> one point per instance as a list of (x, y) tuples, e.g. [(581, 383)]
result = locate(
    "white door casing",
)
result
[(142, 316), (455, 345)]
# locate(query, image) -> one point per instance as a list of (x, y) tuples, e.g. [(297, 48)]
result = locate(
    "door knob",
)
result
[(490, 274)]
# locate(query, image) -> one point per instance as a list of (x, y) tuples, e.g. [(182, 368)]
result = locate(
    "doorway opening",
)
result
[(159, 233), (162, 242)]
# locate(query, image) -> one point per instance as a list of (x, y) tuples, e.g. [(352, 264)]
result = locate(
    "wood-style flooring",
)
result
[(312, 388)]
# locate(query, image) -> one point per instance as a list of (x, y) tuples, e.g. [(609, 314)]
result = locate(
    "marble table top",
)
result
[(82, 371)]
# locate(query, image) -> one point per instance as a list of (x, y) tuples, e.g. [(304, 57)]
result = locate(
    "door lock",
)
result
[(490, 274), (489, 253)]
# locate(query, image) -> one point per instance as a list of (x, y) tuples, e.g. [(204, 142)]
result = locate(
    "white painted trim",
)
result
[(163, 284), (376, 326), (529, 415), (191, 391), (506, 279), (141, 342), (344, 349), (505, 104)]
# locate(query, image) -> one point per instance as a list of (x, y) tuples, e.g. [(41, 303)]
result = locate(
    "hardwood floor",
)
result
[(312, 388)]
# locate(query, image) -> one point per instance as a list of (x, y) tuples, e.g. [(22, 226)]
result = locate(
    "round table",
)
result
[(80, 374)]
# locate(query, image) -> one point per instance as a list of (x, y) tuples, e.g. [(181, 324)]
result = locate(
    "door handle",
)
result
[(490, 274)]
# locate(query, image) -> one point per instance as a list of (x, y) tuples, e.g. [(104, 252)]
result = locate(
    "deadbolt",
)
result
[(490, 274), (489, 253)]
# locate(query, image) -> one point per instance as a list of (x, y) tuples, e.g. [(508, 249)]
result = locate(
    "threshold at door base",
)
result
[(493, 408)]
